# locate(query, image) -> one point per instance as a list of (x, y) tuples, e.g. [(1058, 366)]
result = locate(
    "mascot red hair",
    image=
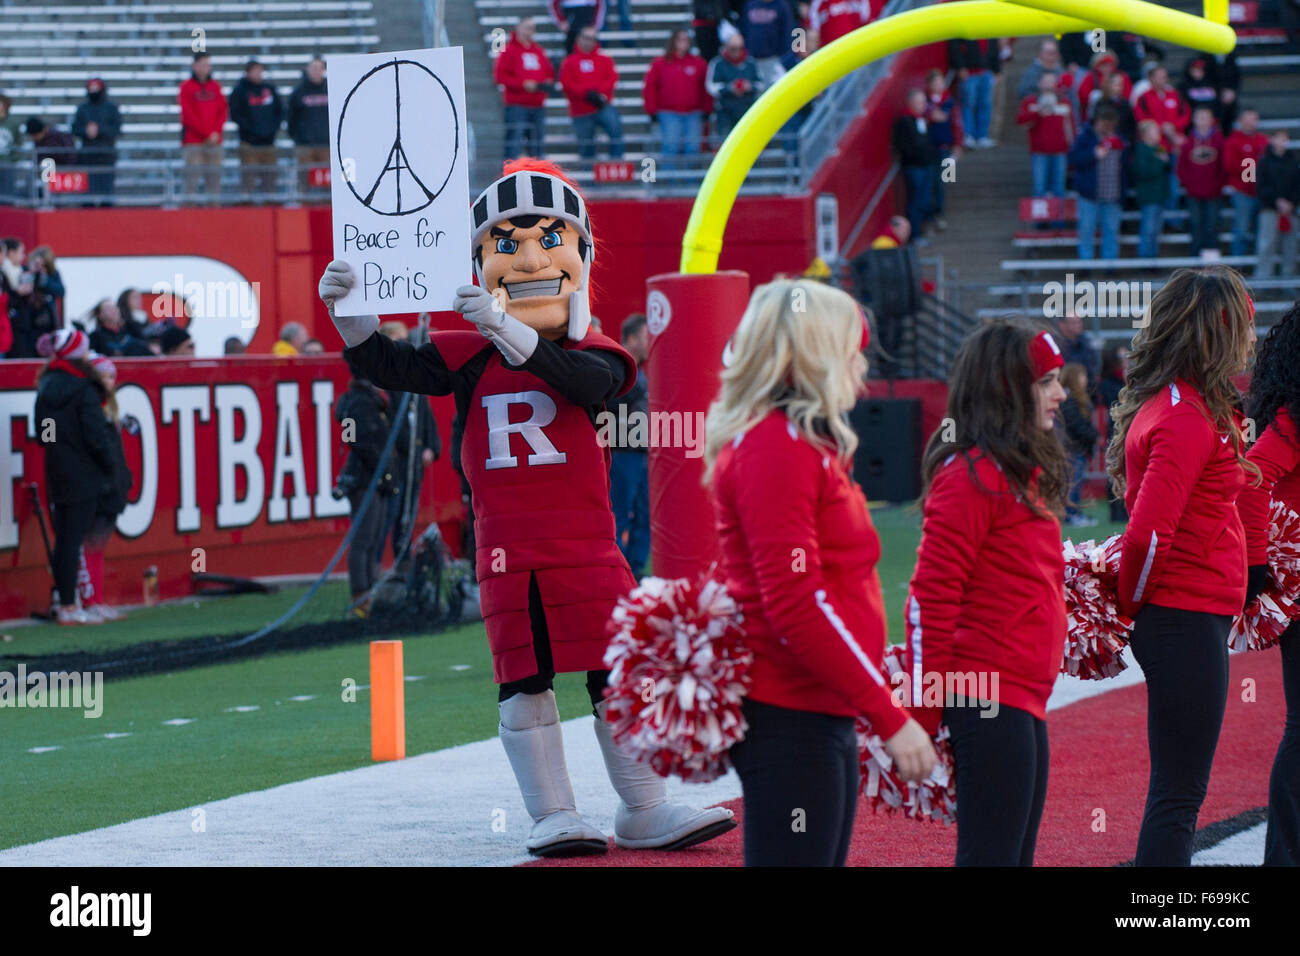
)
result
[(528, 381)]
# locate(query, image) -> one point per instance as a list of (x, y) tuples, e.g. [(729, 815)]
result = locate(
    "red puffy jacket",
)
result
[(1277, 453), (1184, 546), (1239, 148), (203, 110), (580, 73), (1166, 107), (676, 85), (800, 555), (516, 65), (986, 606)]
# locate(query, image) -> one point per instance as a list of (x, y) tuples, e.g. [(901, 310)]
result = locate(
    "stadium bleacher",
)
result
[(1269, 63), (142, 51), (653, 23)]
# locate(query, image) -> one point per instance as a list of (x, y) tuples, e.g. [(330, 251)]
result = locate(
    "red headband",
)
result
[(1044, 354), (1250, 307)]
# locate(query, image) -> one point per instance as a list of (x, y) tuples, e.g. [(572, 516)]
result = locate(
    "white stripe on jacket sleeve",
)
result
[(848, 639), (914, 619), (1146, 568)]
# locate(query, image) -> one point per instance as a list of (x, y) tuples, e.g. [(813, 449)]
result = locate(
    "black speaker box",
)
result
[(887, 463)]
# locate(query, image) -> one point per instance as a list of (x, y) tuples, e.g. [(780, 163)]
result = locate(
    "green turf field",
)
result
[(131, 762)]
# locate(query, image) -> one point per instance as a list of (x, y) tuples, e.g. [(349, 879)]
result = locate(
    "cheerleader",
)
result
[(1274, 406), (1176, 454), (800, 553), (986, 607)]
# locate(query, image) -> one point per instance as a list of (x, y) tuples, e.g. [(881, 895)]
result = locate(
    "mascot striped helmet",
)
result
[(531, 187)]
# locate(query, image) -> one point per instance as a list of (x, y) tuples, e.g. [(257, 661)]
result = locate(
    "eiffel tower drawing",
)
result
[(396, 164)]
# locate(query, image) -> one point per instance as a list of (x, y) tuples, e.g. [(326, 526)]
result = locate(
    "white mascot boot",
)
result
[(530, 732), (645, 820)]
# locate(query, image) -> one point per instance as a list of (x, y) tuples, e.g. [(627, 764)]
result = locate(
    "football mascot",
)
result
[(528, 381)]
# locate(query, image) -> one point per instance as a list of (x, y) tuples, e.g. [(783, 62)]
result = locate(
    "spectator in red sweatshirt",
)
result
[(985, 611), (1200, 171), (1177, 455), (203, 114), (587, 77), (1050, 119), (1164, 104), (1274, 406), (799, 554), (1244, 148), (676, 96), (523, 73), (832, 19)]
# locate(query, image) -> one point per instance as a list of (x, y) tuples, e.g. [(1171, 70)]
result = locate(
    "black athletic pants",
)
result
[(1282, 842), (799, 772), (1001, 758), (544, 679), (1184, 655), (72, 521)]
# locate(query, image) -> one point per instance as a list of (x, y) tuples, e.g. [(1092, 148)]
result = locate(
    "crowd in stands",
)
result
[(31, 310), (255, 106), (1110, 126), (694, 99)]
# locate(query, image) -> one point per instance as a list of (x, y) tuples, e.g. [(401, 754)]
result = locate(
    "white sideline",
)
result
[(432, 810), (436, 809)]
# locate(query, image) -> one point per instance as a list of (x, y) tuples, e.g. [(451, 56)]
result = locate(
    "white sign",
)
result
[(399, 179)]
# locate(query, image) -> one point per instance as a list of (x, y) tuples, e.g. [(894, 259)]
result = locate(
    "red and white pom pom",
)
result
[(679, 672), (1275, 608), (1096, 633), (934, 798)]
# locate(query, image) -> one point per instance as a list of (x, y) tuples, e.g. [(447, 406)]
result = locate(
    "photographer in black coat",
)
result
[(79, 463), (365, 414)]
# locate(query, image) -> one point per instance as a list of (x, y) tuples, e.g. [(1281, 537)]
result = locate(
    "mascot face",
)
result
[(531, 264)]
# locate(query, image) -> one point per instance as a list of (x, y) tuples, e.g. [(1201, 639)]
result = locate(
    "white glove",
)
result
[(513, 339), (337, 282)]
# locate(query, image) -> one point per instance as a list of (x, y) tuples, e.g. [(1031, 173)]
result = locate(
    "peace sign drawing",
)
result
[(400, 127), (399, 183)]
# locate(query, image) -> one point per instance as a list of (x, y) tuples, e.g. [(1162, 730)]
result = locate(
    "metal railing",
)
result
[(152, 176), (842, 103), (165, 177)]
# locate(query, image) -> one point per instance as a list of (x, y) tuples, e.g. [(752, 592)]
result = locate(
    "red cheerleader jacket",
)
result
[(1184, 546), (987, 598), (1277, 454), (800, 553)]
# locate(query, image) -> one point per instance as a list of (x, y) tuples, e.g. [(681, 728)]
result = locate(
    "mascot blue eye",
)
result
[(551, 240), (508, 246)]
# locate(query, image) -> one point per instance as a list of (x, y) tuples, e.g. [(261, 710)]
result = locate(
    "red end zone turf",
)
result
[(1096, 788)]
